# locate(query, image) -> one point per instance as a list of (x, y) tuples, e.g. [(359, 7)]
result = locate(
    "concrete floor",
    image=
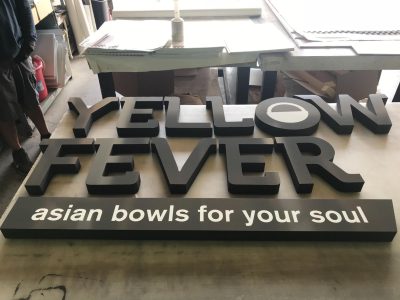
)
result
[(179, 270)]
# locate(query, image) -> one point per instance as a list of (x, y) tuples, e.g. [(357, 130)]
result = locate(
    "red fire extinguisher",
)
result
[(41, 87)]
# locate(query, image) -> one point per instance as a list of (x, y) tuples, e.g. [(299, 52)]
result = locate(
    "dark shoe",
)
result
[(45, 136), (22, 162)]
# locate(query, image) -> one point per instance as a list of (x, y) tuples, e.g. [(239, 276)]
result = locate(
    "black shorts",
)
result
[(17, 89)]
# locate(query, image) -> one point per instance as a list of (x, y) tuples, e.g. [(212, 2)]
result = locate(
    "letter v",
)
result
[(179, 182)]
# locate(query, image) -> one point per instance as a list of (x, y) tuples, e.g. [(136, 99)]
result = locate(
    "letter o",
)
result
[(132, 215), (329, 214), (284, 116), (218, 218), (266, 212)]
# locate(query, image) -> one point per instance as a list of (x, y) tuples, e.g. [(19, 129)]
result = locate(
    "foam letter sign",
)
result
[(240, 158), (285, 116), (136, 119), (53, 162), (307, 154), (174, 128), (115, 155), (181, 181), (86, 116), (224, 128)]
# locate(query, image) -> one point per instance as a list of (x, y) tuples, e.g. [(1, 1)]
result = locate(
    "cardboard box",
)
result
[(130, 84), (329, 84), (35, 15), (44, 8), (358, 84)]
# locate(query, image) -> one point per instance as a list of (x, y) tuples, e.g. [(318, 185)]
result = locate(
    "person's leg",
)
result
[(24, 76), (21, 160), (8, 104), (36, 115), (9, 107), (8, 131)]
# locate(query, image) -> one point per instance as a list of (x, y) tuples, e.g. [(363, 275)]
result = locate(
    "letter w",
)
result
[(152, 215), (374, 115)]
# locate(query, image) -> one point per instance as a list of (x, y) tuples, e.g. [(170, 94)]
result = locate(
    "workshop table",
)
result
[(303, 59)]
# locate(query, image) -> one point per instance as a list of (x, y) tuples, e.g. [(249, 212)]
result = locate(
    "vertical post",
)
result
[(242, 86), (396, 97), (101, 15), (268, 84)]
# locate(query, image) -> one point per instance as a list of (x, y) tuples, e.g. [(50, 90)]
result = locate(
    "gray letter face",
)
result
[(136, 118), (175, 128), (86, 116), (53, 162), (283, 116), (180, 181), (224, 128), (318, 159), (374, 115), (243, 155), (115, 155)]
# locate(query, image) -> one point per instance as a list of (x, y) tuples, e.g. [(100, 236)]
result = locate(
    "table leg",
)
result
[(242, 86), (101, 15), (106, 85), (396, 97), (268, 84)]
